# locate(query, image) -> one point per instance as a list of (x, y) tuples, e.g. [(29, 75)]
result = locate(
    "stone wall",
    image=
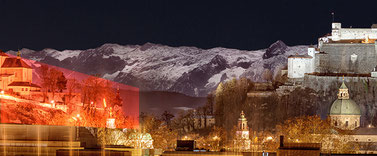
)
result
[(363, 90), (357, 33), (356, 58), (297, 67)]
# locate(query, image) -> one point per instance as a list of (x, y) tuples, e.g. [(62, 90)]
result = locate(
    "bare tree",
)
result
[(53, 80)]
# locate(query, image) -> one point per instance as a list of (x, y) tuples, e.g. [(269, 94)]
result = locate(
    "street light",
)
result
[(53, 103)]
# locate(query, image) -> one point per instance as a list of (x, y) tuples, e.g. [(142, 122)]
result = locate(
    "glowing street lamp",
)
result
[(2, 92), (185, 138), (269, 138), (52, 103), (217, 139)]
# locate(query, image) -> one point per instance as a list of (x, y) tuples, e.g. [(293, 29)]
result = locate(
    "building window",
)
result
[(369, 140), (346, 123), (355, 123), (336, 123), (26, 89), (22, 89)]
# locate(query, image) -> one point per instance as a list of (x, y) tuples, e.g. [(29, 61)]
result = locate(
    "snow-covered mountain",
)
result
[(152, 67)]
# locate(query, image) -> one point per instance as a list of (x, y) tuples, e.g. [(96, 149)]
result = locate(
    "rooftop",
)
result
[(24, 84), (14, 62)]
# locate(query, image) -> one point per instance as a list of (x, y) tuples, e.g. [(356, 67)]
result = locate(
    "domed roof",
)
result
[(345, 107)]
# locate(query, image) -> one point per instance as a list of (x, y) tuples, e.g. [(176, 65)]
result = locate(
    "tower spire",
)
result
[(343, 91), (18, 54)]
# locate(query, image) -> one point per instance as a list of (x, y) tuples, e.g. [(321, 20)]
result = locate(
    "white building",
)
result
[(299, 65), (338, 33)]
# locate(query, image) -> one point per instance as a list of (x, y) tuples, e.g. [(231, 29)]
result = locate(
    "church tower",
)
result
[(242, 123), (345, 113), (242, 141)]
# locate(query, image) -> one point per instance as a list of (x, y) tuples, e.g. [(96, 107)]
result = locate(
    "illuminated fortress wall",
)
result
[(339, 33), (358, 58)]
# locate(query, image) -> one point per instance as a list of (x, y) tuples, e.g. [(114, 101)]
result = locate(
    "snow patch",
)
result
[(111, 76), (234, 72), (61, 55)]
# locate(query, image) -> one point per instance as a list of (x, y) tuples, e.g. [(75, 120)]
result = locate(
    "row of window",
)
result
[(24, 89), (346, 124)]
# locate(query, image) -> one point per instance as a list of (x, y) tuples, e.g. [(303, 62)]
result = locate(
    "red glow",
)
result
[(28, 110)]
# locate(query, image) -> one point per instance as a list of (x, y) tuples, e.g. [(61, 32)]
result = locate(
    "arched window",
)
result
[(346, 123), (355, 123), (336, 123)]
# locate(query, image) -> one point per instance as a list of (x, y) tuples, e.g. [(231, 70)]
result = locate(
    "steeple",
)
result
[(18, 54), (242, 122), (343, 91)]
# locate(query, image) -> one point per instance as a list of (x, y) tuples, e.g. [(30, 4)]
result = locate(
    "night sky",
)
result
[(248, 25)]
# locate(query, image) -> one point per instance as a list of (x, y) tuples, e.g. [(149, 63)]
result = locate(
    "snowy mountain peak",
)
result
[(153, 67), (277, 48)]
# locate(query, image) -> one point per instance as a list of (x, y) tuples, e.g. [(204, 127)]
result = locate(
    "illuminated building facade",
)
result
[(15, 75)]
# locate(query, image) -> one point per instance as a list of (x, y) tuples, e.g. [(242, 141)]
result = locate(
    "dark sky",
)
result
[(249, 24)]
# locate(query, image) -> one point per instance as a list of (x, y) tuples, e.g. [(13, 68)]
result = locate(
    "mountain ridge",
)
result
[(155, 67)]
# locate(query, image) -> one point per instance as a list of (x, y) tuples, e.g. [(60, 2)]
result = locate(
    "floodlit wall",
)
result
[(297, 67), (356, 58), (339, 33)]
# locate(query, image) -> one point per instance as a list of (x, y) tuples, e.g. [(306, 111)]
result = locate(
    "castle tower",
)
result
[(345, 113), (335, 33), (311, 51)]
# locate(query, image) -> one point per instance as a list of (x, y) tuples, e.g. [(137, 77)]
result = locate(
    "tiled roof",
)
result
[(14, 62), (24, 84)]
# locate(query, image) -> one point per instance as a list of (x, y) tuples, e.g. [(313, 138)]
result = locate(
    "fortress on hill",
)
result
[(346, 51)]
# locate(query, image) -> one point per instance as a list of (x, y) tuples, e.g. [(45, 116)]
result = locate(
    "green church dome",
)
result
[(345, 107)]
